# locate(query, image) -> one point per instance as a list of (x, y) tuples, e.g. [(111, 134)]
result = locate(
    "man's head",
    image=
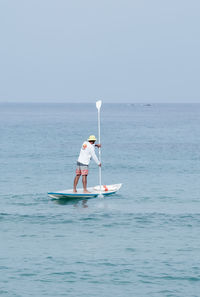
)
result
[(92, 139)]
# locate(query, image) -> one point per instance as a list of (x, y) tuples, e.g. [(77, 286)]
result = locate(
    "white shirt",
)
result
[(87, 151)]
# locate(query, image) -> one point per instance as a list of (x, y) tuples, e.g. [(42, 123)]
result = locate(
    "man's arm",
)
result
[(95, 157)]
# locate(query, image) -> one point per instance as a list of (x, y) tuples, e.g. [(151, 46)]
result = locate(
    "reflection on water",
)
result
[(76, 202)]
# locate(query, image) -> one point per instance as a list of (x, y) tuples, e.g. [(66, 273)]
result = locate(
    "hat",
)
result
[(92, 138)]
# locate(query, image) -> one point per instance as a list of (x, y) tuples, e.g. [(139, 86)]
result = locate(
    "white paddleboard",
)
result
[(94, 192)]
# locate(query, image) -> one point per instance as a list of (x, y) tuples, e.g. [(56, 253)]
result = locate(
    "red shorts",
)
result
[(81, 169)]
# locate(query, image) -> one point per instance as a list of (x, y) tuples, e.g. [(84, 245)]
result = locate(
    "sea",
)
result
[(143, 241)]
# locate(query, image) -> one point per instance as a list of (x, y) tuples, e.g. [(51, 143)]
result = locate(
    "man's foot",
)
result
[(74, 190), (86, 192)]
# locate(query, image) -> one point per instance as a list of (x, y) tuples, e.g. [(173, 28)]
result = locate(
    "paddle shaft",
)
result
[(99, 138)]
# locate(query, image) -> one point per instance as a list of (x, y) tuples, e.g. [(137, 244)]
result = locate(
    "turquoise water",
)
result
[(144, 241)]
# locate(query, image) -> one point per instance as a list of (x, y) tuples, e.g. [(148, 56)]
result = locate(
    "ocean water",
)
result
[(143, 241)]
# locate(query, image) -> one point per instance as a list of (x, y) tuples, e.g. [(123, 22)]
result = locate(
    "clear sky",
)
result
[(83, 50)]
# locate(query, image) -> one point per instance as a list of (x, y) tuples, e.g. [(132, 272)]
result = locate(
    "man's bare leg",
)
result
[(84, 180), (76, 182)]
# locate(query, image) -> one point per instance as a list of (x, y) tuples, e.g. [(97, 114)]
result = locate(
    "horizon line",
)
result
[(63, 102)]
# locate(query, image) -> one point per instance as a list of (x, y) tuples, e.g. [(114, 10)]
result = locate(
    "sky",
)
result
[(82, 50)]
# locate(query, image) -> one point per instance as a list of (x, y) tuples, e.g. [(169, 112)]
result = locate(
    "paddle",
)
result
[(98, 106)]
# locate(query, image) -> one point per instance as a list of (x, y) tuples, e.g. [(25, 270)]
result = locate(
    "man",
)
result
[(87, 152)]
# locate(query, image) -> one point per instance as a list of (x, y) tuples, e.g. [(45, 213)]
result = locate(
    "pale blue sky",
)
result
[(81, 50)]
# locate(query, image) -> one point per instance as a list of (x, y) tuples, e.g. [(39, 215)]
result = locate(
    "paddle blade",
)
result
[(98, 104), (100, 196)]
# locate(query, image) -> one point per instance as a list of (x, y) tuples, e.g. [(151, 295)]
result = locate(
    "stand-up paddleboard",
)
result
[(94, 192)]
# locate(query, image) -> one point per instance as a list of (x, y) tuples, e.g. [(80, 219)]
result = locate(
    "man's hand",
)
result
[(100, 165), (98, 145)]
